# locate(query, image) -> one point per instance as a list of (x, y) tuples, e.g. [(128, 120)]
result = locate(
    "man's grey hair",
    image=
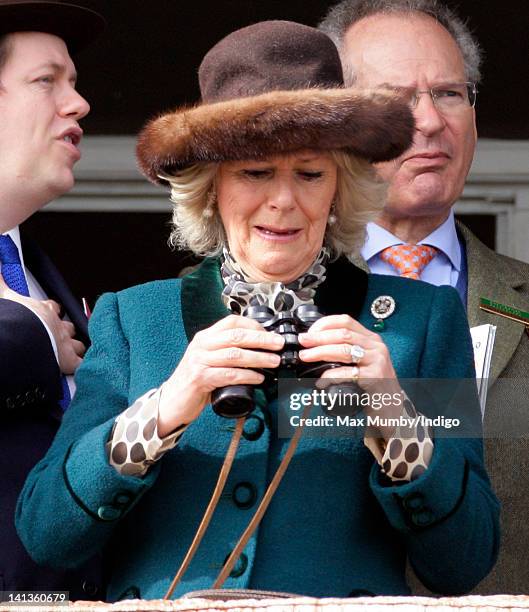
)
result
[(344, 14)]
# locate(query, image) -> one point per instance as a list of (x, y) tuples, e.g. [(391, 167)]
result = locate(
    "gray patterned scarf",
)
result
[(240, 291)]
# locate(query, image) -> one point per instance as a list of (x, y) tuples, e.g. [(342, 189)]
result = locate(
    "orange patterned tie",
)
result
[(409, 259)]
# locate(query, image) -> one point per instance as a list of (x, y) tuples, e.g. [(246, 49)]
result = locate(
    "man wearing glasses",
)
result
[(423, 50)]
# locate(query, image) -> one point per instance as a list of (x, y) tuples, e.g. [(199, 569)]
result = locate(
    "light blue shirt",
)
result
[(445, 267)]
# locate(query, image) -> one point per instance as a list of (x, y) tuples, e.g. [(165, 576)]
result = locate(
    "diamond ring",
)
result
[(357, 353)]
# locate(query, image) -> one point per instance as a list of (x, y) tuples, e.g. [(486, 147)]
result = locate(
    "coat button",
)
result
[(240, 566), (244, 495), (108, 513), (413, 501), (253, 428), (131, 593), (90, 588), (422, 518)]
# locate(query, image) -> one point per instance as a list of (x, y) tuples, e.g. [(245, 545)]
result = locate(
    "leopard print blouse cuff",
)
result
[(134, 444), (407, 454)]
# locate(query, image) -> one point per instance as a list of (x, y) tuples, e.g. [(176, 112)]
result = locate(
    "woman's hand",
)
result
[(331, 338), (222, 355)]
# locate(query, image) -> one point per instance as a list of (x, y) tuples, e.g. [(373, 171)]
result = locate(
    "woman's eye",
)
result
[(256, 174), (310, 176)]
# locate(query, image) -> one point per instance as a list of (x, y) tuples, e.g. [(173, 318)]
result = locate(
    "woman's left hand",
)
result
[(331, 339)]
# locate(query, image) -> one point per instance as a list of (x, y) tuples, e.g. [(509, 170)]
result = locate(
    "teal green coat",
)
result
[(335, 527)]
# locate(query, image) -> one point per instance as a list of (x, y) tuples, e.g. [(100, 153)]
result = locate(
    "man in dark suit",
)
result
[(422, 49), (43, 331)]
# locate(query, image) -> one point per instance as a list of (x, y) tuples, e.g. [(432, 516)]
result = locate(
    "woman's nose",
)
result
[(282, 195)]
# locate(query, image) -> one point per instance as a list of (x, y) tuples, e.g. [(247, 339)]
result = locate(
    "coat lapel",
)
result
[(201, 302), (51, 280), (343, 291), (490, 276)]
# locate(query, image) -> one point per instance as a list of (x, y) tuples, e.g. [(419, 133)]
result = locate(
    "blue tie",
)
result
[(14, 277), (12, 267)]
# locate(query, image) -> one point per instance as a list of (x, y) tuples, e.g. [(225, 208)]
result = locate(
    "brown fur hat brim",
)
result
[(376, 126)]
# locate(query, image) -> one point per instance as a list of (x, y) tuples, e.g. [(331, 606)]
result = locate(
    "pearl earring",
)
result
[(332, 218), (211, 200)]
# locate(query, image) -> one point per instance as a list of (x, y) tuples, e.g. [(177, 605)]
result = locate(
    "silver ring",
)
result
[(355, 373), (357, 353)]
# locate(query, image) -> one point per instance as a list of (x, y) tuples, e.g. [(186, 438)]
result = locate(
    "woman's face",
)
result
[(275, 210)]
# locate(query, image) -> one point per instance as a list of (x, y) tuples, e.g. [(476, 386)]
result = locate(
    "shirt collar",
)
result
[(443, 238)]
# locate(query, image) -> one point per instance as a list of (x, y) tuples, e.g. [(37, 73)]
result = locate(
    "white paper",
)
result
[(483, 343)]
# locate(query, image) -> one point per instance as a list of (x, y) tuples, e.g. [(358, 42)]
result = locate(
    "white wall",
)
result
[(498, 184)]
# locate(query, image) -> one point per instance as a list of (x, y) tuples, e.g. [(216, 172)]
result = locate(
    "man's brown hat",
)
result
[(76, 25), (273, 88)]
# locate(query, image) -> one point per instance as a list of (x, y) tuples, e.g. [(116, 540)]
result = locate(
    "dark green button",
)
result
[(240, 566), (108, 513), (423, 518), (244, 495), (413, 501), (131, 593), (253, 428), (90, 588)]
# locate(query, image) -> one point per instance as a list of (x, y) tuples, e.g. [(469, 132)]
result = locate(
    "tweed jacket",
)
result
[(335, 526), (506, 424), (30, 389)]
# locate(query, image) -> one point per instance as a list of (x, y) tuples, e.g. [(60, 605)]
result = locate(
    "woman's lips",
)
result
[(277, 234)]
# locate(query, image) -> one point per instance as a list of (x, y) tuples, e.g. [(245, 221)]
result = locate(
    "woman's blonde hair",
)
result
[(360, 197)]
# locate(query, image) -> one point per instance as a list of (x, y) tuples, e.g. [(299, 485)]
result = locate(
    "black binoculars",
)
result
[(236, 401)]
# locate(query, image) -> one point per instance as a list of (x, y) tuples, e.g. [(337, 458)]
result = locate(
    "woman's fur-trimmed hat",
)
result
[(273, 88)]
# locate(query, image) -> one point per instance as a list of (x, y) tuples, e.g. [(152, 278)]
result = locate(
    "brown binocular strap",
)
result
[(256, 519), (223, 476)]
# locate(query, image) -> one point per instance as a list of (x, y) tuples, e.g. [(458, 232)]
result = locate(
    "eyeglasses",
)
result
[(452, 98)]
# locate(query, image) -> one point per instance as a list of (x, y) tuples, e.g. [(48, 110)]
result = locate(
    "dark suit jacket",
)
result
[(30, 388)]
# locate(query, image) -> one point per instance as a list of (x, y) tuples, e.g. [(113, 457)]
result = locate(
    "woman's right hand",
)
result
[(221, 355)]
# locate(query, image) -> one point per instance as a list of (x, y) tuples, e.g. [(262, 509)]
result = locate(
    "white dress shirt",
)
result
[(37, 293), (444, 269)]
